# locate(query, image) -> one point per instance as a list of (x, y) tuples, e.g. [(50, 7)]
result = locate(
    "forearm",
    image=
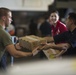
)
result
[(11, 49), (22, 54), (49, 39), (54, 46), (61, 46)]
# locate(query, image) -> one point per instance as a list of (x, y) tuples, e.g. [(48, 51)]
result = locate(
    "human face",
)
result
[(8, 19), (54, 17), (69, 23)]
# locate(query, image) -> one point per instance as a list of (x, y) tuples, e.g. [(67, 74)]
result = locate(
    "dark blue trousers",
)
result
[(3, 62)]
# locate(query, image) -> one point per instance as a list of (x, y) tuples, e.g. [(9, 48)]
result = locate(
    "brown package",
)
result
[(31, 42), (50, 53)]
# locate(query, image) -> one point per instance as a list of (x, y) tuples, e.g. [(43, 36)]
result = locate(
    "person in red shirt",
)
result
[(57, 27)]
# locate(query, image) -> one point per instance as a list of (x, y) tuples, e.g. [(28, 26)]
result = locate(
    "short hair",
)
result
[(4, 11), (55, 11), (73, 17)]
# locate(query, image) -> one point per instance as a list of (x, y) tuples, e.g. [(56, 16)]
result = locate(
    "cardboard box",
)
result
[(50, 53), (31, 42)]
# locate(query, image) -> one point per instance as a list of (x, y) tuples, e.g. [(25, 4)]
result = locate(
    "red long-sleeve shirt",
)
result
[(60, 28)]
